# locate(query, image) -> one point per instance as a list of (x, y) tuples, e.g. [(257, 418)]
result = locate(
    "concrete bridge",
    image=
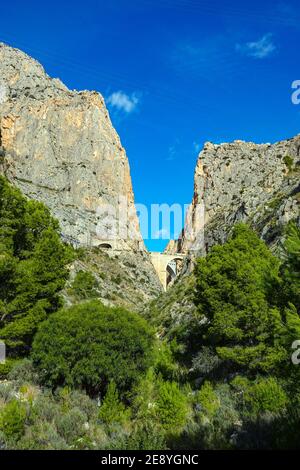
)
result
[(167, 266)]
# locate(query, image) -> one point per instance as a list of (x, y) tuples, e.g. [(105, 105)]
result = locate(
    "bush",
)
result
[(208, 400), (45, 408), (171, 407), (89, 345), (12, 420), (112, 410), (23, 371), (7, 367), (79, 399), (42, 435), (165, 364), (145, 436), (290, 270), (205, 362), (70, 425), (266, 396)]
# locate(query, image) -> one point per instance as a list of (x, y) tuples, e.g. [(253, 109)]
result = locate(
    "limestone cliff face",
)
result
[(242, 181), (59, 146)]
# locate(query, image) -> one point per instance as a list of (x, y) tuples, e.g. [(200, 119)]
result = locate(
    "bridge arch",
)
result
[(167, 266), (173, 268)]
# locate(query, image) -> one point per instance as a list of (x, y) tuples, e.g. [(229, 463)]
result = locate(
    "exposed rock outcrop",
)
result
[(242, 181), (238, 181), (123, 278), (59, 146)]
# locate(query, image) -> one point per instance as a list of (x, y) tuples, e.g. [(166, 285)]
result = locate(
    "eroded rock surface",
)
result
[(59, 146), (242, 181)]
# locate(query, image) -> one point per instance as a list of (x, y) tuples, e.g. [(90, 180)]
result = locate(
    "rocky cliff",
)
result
[(242, 181), (59, 146), (234, 182)]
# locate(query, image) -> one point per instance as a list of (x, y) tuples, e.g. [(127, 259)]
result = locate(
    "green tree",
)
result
[(171, 407), (89, 345), (32, 267), (12, 420), (290, 270), (112, 410), (234, 289)]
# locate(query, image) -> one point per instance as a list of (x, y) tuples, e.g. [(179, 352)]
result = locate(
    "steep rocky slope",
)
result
[(123, 278), (59, 146), (234, 182), (242, 181)]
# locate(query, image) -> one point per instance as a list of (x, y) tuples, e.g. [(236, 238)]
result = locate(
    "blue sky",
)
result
[(175, 73)]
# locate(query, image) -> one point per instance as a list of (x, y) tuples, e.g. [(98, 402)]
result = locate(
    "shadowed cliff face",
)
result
[(59, 146), (242, 182)]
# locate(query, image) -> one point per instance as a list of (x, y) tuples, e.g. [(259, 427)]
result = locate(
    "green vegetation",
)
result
[(234, 292), (289, 162), (212, 371), (119, 348), (266, 396), (171, 407), (208, 399), (32, 268), (84, 285), (113, 410), (12, 420)]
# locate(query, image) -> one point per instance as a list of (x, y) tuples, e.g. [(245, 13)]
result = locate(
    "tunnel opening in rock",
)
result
[(105, 246)]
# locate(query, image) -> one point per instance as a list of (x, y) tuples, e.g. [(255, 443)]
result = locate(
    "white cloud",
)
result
[(260, 49), (123, 102)]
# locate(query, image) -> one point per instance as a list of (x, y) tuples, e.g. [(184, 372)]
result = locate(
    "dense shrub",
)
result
[(208, 400), (70, 425), (266, 395), (171, 407), (42, 435), (112, 410), (145, 435), (32, 267), (23, 371), (89, 345), (12, 420), (238, 389)]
